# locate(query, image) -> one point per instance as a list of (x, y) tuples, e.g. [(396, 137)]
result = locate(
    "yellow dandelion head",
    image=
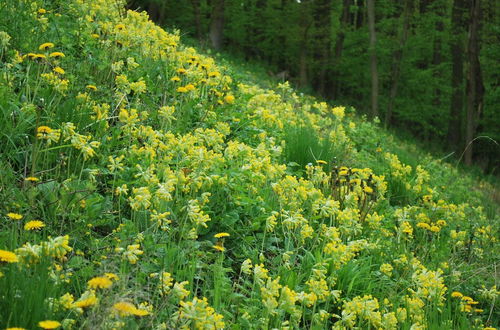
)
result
[(100, 282), (91, 87), (14, 216), (49, 324), (229, 99), (57, 55), (7, 256), (220, 235), (46, 46), (219, 248), (58, 70), (42, 131), (34, 225)]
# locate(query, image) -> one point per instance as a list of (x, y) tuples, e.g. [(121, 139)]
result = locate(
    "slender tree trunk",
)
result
[(197, 18), (360, 16), (322, 22), (339, 45), (396, 61), (458, 22), (217, 24), (373, 58), (437, 55), (303, 80), (475, 88)]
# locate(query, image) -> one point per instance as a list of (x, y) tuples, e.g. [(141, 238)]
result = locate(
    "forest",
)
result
[(429, 68)]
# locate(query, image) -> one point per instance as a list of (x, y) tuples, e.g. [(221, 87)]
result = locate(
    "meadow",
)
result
[(145, 185)]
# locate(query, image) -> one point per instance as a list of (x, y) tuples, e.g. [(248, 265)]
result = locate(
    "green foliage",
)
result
[(147, 186)]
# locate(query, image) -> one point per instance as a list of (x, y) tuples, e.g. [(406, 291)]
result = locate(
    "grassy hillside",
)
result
[(143, 185)]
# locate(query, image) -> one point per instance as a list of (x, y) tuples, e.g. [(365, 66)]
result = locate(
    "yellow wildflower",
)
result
[(229, 99), (48, 324), (58, 70), (14, 216), (46, 46), (34, 225), (57, 55), (123, 308), (99, 282), (91, 87), (219, 235), (7, 256), (32, 179), (219, 247)]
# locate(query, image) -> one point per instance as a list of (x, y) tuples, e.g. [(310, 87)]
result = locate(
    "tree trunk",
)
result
[(217, 24), (458, 22), (197, 18), (303, 80), (373, 58), (475, 88), (396, 61), (322, 22), (360, 16), (339, 45)]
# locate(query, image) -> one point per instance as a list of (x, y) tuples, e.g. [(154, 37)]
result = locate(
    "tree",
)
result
[(373, 57), (475, 87), (339, 45), (397, 57), (458, 22), (217, 24)]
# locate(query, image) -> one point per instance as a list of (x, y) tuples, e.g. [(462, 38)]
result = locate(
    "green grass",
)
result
[(140, 175)]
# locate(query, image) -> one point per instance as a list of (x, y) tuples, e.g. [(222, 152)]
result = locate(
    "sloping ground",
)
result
[(142, 187)]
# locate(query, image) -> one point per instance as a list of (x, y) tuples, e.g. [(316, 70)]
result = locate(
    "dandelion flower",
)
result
[(14, 216), (182, 89), (48, 324), (319, 161), (175, 79), (34, 225), (42, 11), (46, 46), (42, 131), (112, 276), (91, 87), (220, 235), (57, 55), (219, 248), (124, 308), (229, 99), (100, 282), (87, 299), (7, 256), (59, 70)]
